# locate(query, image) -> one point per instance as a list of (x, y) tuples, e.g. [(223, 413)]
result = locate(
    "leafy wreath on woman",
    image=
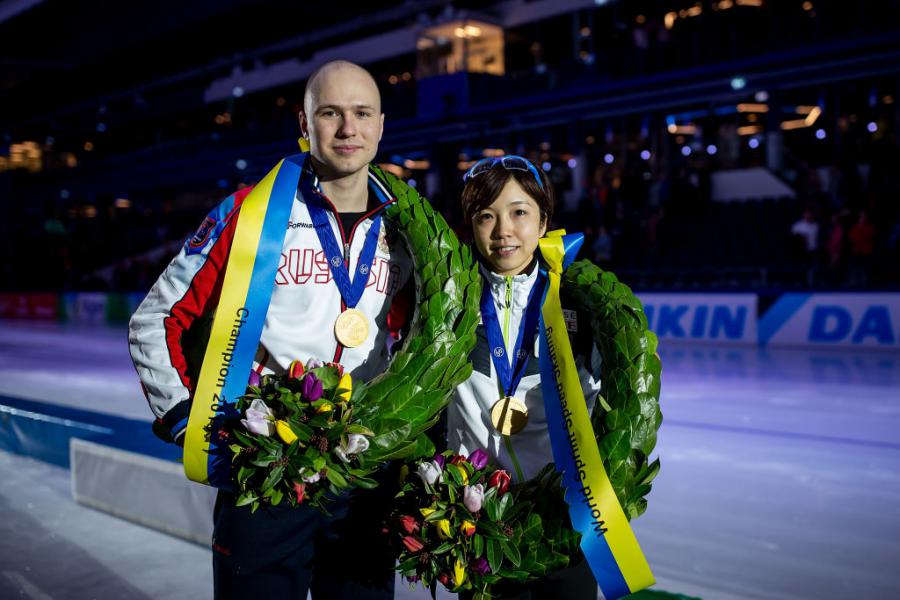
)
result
[(435, 356)]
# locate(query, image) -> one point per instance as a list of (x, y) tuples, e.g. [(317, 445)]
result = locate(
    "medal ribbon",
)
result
[(237, 326), (351, 291), (607, 540), (511, 369)]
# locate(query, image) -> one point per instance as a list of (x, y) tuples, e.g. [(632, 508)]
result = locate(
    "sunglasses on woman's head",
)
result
[(510, 162)]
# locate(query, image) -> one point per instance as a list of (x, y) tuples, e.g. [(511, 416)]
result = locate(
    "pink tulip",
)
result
[(473, 497)]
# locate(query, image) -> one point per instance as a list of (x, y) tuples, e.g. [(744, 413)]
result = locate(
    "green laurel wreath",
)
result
[(630, 384), (402, 403)]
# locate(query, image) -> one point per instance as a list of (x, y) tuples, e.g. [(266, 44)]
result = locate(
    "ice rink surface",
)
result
[(780, 478)]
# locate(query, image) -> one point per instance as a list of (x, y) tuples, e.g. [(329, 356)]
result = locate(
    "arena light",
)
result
[(122, 203), (572, 163), (645, 154), (756, 3), (749, 129), (794, 124), (738, 83), (752, 107), (414, 165), (813, 115), (872, 127), (820, 134), (493, 152), (683, 129), (608, 158), (712, 149)]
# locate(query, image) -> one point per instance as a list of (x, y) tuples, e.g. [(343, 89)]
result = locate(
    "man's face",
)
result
[(343, 120)]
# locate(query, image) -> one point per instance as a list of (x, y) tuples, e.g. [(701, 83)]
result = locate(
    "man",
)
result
[(281, 552)]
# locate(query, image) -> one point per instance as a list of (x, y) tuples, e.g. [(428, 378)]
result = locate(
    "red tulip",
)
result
[(300, 490), (500, 480), (457, 459), (412, 544), (295, 369), (409, 524), (444, 578)]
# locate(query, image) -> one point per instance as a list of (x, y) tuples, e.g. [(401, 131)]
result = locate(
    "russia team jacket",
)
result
[(169, 331)]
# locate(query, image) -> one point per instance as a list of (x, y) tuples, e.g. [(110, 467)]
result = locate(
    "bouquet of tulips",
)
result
[(459, 523), (297, 438)]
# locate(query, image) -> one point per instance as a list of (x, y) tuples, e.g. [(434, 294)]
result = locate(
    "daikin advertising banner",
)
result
[(832, 320), (702, 317)]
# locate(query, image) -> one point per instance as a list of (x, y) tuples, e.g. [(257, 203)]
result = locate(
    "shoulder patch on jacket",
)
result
[(199, 239)]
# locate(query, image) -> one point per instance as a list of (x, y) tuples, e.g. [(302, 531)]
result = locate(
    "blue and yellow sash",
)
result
[(607, 541), (237, 326)]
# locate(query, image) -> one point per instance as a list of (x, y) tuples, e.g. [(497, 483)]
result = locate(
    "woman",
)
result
[(508, 203)]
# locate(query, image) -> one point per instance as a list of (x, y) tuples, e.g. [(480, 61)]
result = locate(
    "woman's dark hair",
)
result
[(482, 190)]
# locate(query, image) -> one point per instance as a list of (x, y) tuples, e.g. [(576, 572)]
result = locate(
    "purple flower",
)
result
[(412, 578), (439, 459), (478, 458), (254, 379), (311, 387), (481, 566)]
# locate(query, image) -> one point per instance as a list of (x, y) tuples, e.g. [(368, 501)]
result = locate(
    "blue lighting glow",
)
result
[(608, 158), (738, 83), (753, 143), (546, 166), (685, 150), (237, 91), (820, 134), (645, 154), (241, 164), (872, 126), (572, 163), (711, 149)]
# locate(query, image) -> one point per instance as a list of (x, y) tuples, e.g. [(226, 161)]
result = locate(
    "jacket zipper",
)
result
[(339, 350)]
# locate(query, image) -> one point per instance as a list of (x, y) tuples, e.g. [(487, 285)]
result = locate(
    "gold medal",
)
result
[(509, 415), (351, 328)]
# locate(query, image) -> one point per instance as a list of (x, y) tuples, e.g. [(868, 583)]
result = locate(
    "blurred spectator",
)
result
[(836, 243), (862, 247), (807, 230), (602, 248)]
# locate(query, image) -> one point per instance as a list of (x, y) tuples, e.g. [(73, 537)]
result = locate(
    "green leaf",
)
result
[(445, 547), (494, 555), (477, 545), (511, 552), (246, 498), (335, 477), (358, 428)]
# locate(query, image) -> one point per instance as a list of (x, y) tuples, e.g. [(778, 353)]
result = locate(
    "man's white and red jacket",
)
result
[(169, 331)]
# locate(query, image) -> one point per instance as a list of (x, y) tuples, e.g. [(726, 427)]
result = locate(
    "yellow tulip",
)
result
[(459, 573), (325, 407), (467, 528), (285, 432), (443, 528), (426, 511), (345, 387), (463, 474)]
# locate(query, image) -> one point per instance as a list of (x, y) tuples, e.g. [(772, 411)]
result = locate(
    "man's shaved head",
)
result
[(329, 69), (342, 119)]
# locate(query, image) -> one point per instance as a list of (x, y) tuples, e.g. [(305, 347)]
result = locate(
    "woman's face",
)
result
[(507, 231)]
